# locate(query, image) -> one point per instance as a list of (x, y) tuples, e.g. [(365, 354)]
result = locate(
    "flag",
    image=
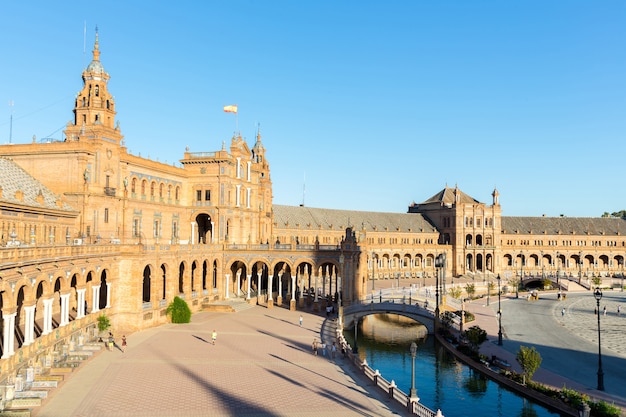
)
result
[(231, 109)]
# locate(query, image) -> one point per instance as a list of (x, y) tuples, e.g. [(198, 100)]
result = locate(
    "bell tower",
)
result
[(94, 109)]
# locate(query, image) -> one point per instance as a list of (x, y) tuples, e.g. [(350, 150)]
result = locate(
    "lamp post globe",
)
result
[(598, 296)]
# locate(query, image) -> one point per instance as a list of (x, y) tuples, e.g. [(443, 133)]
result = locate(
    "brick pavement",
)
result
[(261, 365)]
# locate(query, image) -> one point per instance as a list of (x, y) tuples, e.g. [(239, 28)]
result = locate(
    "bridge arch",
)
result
[(355, 312)]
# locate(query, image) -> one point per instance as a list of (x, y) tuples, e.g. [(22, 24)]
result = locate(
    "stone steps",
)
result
[(15, 413)]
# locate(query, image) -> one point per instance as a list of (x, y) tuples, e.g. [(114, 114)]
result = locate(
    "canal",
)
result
[(442, 382)]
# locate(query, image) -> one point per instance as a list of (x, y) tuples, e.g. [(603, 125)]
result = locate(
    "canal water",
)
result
[(441, 381)]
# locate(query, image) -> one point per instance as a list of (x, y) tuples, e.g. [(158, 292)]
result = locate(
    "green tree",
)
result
[(179, 311), (475, 336), (470, 289), (529, 359)]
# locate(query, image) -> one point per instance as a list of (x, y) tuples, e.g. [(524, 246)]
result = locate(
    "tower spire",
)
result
[(96, 48)]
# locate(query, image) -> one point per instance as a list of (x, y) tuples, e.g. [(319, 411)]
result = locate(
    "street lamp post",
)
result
[(373, 271), (413, 391), (558, 260), (598, 295), (580, 267), (355, 349), (340, 290), (499, 315)]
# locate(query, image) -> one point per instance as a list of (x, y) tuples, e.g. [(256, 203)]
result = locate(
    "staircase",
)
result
[(32, 385)]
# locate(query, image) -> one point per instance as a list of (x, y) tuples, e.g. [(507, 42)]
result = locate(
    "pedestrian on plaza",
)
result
[(333, 351), (123, 343), (314, 347), (563, 311), (619, 309), (595, 311), (300, 320), (111, 341), (214, 336), (604, 311), (323, 347)]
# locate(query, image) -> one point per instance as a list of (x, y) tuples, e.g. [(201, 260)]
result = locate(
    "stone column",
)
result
[(65, 309), (238, 283), (292, 303), (8, 335), (47, 315), (227, 284), (108, 305), (249, 280), (270, 297), (193, 233), (29, 324), (279, 299), (80, 303), (258, 286), (95, 304)]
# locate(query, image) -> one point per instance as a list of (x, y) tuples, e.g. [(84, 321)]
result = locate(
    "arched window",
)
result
[(143, 187), (133, 185)]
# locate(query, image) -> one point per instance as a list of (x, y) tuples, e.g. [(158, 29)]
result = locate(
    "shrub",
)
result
[(103, 323), (179, 311)]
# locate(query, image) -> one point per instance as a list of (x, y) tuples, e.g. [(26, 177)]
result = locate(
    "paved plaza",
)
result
[(261, 365)]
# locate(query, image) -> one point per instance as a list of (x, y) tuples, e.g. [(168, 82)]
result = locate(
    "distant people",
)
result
[(333, 350), (300, 320), (213, 336), (314, 347), (619, 309), (111, 341), (562, 311), (123, 343), (604, 311)]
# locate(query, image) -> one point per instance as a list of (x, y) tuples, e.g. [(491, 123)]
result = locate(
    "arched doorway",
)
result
[(205, 229)]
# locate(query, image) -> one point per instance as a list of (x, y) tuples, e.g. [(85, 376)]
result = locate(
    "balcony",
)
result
[(109, 191)]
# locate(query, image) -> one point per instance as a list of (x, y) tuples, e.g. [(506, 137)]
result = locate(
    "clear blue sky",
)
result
[(365, 105)]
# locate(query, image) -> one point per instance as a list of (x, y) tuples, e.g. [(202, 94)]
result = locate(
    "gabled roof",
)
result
[(601, 226), (447, 196), (19, 188), (300, 217)]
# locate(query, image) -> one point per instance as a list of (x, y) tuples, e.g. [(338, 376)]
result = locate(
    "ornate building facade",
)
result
[(88, 229)]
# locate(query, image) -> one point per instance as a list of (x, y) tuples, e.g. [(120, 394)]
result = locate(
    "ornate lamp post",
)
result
[(598, 296), (373, 271), (558, 260), (340, 289), (499, 315), (580, 267), (413, 391), (355, 349)]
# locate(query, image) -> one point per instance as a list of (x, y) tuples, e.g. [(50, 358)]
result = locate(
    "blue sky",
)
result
[(364, 105)]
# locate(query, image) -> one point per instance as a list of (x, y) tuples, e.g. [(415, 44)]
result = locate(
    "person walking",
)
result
[(213, 336), (604, 311), (123, 343), (314, 347), (563, 311), (619, 309), (300, 320)]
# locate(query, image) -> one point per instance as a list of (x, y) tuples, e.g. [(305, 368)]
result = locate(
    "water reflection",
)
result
[(442, 382)]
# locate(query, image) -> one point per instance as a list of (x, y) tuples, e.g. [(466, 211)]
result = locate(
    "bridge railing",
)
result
[(413, 406)]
